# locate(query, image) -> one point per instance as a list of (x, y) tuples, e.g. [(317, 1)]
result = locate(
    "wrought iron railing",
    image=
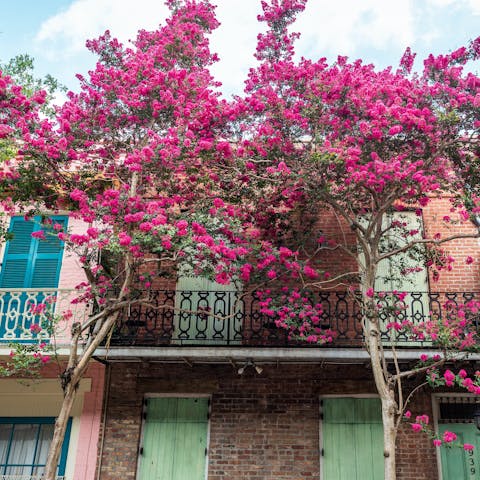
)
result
[(206, 318), (20, 312)]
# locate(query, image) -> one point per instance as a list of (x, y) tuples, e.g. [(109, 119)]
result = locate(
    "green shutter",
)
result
[(198, 327), (458, 464), (352, 439), (388, 276), (174, 439)]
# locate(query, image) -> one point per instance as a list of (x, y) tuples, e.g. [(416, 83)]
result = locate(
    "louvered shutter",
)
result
[(196, 295), (18, 254), (48, 259), (28, 262), (457, 463)]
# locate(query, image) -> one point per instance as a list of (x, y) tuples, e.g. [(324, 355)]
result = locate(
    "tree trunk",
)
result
[(59, 431), (74, 373), (387, 397), (389, 408), (389, 436)]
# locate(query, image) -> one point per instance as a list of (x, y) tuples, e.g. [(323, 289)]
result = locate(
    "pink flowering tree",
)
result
[(167, 175), (371, 149), (137, 157)]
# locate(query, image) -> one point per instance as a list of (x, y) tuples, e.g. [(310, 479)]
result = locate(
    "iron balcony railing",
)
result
[(24, 309), (228, 318)]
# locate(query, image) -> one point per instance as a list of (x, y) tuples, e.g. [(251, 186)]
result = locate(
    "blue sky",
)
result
[(54, 31)]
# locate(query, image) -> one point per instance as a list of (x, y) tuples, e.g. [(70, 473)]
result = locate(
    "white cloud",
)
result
[(346, 26), (472, 5), (65, 33), (235, 41)]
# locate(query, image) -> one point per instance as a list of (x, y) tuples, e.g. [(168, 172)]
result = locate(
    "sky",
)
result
[(378, 31)]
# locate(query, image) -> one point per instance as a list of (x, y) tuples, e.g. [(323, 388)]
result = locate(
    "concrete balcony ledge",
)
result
[(259, 355)]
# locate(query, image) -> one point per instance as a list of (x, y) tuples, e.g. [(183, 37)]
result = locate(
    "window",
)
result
[(28, 263), (24, 443)]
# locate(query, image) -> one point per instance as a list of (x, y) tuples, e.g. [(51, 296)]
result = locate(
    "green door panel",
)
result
[(352, 439), (196, 295), (174, 439), (458, 464)]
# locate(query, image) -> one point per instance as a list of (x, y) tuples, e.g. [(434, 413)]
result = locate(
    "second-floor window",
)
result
[(30, 262), (29, 274)]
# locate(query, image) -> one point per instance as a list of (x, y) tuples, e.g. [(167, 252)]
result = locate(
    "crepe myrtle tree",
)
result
[(136, 156), (360, 143), (167, 176)]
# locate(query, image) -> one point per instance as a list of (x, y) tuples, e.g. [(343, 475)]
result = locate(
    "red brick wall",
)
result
[(463, 277), (416, 457), (262, 427)]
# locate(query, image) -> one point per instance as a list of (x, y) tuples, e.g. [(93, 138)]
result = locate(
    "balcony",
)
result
[(217, 318), (26, 477), (18, 312), (194, 319)]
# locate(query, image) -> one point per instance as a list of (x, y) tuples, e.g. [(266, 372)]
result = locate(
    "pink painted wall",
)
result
[(71, 275), (90, 425)]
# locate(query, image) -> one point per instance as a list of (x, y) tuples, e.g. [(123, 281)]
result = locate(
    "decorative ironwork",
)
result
[(228, 318), (206, 318), (26, 477), (18, 311)]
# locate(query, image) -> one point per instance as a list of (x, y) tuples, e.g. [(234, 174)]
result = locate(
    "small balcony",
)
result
[(26, 477), (226, 318), (22, 309)]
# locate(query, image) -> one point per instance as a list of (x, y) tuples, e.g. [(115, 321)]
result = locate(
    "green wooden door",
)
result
[(458, 464), (28, 263), (399, 272), (352, 439), (174, 439), (198, 296)]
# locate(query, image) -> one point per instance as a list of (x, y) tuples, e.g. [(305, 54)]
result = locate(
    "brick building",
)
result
[(191, 396), (181, 394)]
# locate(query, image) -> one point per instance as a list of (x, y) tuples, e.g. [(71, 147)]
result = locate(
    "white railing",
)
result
[(25, 477), (23, 307)]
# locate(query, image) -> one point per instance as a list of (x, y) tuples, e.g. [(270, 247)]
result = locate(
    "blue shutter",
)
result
[(18, 253), (48, 259), (28, 262)]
